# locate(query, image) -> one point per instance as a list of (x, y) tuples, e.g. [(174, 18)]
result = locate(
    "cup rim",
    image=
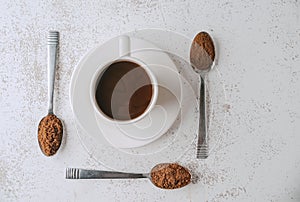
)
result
[(96, 78)]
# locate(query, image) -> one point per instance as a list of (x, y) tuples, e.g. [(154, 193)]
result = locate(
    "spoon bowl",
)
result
[(170, 176), (50, 132)]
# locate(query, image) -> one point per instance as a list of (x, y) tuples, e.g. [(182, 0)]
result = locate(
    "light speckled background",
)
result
[(258, 157)]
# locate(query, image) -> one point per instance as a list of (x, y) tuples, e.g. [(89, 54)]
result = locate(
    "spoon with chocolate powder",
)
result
[(202, 56), (50, 129), (164, 176)]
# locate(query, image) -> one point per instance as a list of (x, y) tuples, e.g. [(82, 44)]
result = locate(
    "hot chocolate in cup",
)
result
[(125, 90)]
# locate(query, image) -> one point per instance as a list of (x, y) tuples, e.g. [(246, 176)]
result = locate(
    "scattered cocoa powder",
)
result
[(50, 133), (202, 52), (170, 176)]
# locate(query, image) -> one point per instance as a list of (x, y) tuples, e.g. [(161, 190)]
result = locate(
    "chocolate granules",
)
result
[(50, 133), (202, 53), (170, 176)]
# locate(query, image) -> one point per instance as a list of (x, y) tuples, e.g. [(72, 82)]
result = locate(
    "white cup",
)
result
[(124, 55)]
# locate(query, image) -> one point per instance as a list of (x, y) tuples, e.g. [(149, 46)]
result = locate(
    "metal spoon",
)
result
[(50, 128), (202, 56), (153, 176)]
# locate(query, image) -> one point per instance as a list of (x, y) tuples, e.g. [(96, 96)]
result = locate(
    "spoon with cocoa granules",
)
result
[(164, 176), (50, 129), (202, 57)]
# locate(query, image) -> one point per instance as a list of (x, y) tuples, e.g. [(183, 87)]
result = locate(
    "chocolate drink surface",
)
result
[(124, 91)]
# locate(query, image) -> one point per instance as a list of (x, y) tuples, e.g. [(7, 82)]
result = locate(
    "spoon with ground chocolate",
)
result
[(50, 129), (202, 56), (164, 176)]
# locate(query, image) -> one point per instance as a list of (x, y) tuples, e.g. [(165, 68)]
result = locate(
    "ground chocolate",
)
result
[(202, 53), (170, 176), (50, 133)]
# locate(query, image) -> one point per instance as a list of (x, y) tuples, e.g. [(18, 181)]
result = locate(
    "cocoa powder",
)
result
[(170, 176), (202, 53), (50, 133)]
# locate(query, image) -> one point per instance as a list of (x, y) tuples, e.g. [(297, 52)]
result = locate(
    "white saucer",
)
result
[(147, 129), (168, 148)]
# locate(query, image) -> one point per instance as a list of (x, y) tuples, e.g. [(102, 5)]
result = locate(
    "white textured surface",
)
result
[(258, 155)]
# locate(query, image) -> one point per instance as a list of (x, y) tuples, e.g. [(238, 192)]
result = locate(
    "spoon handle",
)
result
[(77, 173), (53, 37), (202, 145)]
